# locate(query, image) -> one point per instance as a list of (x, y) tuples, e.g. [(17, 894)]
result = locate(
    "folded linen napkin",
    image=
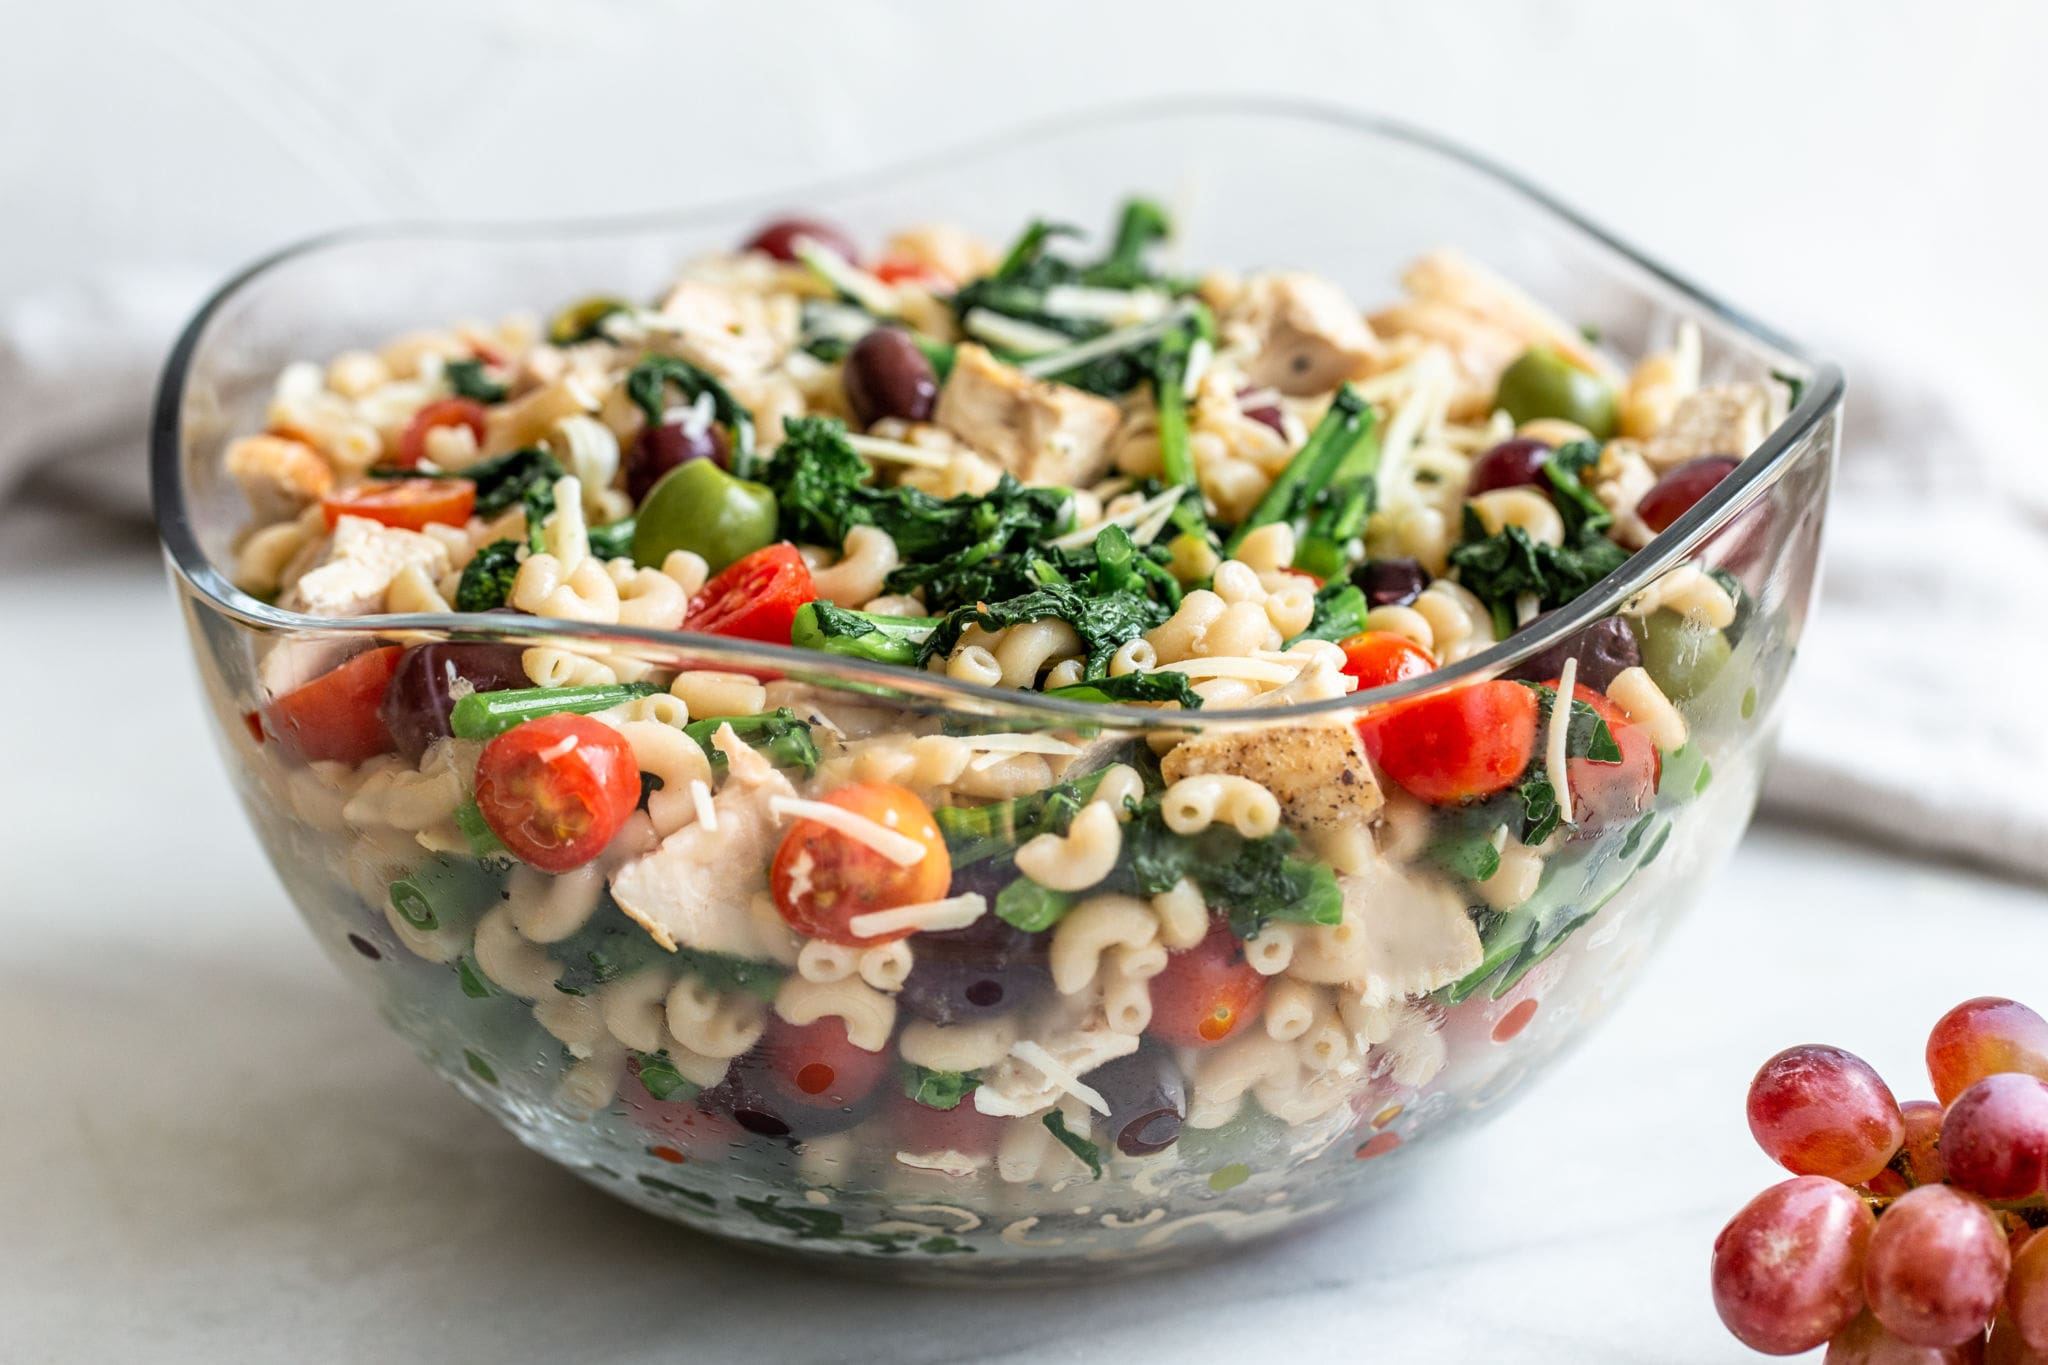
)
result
[(1918, 713)]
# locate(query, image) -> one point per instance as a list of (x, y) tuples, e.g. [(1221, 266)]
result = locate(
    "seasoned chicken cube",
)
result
[(356, 565), (731, 332), (699, 887), (279, 476), (1729, 419), (1402, 935), (1306, 335), (1318, 772), (1039, 431)]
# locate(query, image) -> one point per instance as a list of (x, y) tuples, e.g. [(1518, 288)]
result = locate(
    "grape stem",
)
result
[(2033, 1210)]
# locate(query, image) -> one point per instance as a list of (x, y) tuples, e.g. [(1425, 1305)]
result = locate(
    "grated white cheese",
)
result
[(995, 748), (902, 452), (1554, 752), (848, 278), (1012, 334), (1129, 517), (1031, 1054), (695, 418), (1119, 306), (1200, 354), (563, 749), (1233, 666), (899, 849), (1124, 339), (1528, 606), (700, 797), (954, 912)]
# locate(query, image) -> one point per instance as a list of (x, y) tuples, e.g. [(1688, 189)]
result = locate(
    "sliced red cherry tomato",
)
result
[(963, 1128), (442, 412), (755, 598), (1207, 993), (679, 1125), (337, 717), (1379, 657), (816, 1064), (823, 877), (904, 270), (1607, 794), (407, 504), (1458, 745), (556, 789)]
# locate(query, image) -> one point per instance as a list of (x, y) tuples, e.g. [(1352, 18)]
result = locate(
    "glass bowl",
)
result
[(1434, 1002)]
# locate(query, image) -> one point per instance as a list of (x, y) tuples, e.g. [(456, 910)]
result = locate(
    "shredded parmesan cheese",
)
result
[(700, 797), (899, 849), (848, 278), (1119, 306), (1554, 752), (902, 452), (1058, 362), (1199, 356), (563, 749), (1233, 666), (955, 912), (1012, 335), (1160, 505), (1031, 1054), (993, 749)]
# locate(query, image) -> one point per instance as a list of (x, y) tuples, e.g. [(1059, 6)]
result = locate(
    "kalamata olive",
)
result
[(1603, 649), (887, 376), (1672, 496), (778, 238), (1391, 582), (662, 448), (801, 1080), (423, 690), (1515, 463), (1266, 414), (1147, 1098), (986, 969)]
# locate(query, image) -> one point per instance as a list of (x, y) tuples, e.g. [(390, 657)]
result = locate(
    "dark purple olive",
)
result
[(1603, 649), (1391, 582), (778, 238), (1147, 1098), (986, 969), (1265, 414), (1672, 496), (887, 376), (1514, 463), (662, 448), (423, 690), (750, 1098)]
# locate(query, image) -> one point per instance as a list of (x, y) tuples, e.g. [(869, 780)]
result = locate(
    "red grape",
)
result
[(1514, 463), (1866, 1342), (1786, 1268), (1936, 1267), (2026, 1293), (1817, 1110), (1983, 1037), (779, 238), (2008, 1347), (1994, 1140), (1923, 1141)]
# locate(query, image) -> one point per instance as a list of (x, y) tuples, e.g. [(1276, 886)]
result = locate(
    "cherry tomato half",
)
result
[(963, 1128), (822, 878), (338, 716), (1607, 794), (1379, 657), (1207, 992), (816, 1064), (407, 504), (682, 1126), (754, 599), (904, 270), (1457, 745), (442, 412), (556, 789)]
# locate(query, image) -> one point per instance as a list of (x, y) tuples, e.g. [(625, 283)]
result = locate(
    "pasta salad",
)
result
[(744, 917)]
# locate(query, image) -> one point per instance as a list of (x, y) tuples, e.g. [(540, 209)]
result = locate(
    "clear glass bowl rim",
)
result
[(1821, 397)]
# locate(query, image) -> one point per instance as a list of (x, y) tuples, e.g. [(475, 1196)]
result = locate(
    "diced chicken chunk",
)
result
[(697, 890), (1318, 772), (356, 565), (1039, 431), (1306, 335), (1729, 419), (1015, 1088), (279, 476), (731, 332)]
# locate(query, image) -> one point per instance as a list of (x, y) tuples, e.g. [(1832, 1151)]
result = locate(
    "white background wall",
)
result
[(1863, 173)]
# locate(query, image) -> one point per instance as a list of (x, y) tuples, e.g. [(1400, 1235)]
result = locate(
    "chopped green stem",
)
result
[(480, 715), (1347, 424), (973, 833), (778, 734), (861, 634)]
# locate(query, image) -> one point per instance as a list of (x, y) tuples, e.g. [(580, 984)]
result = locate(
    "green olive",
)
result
[(579, 321), (699, 507), (1542, 383), (1681, 657)]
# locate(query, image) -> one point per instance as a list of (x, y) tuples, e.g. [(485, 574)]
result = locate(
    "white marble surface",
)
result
[(210, 1150)]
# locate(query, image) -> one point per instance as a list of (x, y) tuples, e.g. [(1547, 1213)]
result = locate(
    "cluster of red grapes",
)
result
[(1909, 1230)]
